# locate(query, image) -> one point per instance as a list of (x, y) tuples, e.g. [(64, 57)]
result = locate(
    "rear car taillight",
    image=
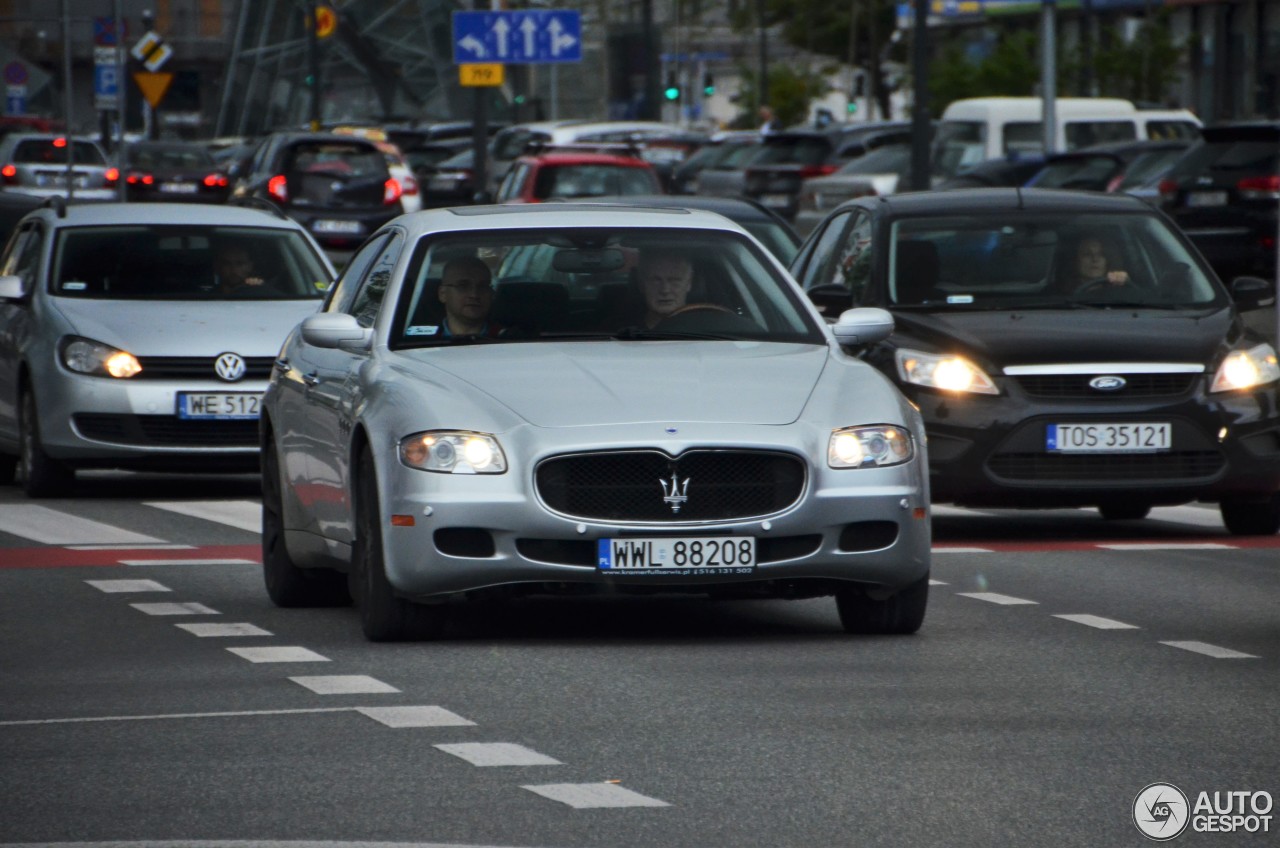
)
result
[(1168, 190), (391, 191), (139, 178), (10, 174), (278, 188), (410, 186), (817, 171), (1259, 188), (215, 180), (111, 176)]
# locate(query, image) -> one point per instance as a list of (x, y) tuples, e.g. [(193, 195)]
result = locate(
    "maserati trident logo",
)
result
[(229, 367), (1109, 383), (674, 491)]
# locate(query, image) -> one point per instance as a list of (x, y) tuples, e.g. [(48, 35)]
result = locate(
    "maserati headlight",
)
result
[(869, 447), (453, 452), (86, 356), (949, 373), (1247, 369)]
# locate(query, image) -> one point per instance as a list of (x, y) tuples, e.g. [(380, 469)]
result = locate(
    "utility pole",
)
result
[(1049, 75), (66, 89), (313, 65), (920, 135)]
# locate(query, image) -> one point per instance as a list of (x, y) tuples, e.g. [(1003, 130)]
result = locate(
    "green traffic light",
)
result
[(852, 107), (709, 90), (672, 93)]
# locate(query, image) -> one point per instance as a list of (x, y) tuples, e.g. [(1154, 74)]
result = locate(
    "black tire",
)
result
[(1124, 512), (384, 615), (42, 476), (899, 614), (1251, 518), (287, 584)]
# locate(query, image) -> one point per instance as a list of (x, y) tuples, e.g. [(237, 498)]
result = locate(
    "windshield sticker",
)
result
[(959, 298), (74, 285), (422, 331)]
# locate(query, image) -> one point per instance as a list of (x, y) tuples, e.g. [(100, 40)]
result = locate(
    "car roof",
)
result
[(559, 157), (535, 216), (125, 214), (734, 208), (969, 200)]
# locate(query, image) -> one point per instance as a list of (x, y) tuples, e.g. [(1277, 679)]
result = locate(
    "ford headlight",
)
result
[(85, 356), (869, 447), (1246, 369), (453, 452), (943, 371)]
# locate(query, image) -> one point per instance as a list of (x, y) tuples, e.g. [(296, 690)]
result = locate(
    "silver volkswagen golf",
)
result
[(499, 402), (141, 336)]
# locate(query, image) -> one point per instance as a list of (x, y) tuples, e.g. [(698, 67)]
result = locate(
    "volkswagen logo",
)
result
[(229, 367), (1109, 383)]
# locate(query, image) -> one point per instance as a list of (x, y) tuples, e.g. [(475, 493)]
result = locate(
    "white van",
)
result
[(982, 128)]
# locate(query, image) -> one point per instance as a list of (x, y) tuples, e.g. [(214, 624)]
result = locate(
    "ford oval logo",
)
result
[(1109, 383)]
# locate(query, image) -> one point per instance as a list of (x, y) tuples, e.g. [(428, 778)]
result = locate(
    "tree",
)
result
[(789, 93), (1143, 69)]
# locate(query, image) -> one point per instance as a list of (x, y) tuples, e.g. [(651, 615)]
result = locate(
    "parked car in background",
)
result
[(786, 159), (1224, 194), (453, 183), (37, 164), (1066, 349), (426, 157), (337, 186), (1103, 166), (129, 342), (720, 147), (173, 172), (728, 449), (562, 172), (1013, 169), (765, 225), (883, 171)]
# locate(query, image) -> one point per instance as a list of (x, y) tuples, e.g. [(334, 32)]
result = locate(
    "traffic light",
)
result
[(708, 85), (672, 91)]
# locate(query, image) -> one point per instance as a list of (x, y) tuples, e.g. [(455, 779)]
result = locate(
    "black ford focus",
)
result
[(1064, 348)]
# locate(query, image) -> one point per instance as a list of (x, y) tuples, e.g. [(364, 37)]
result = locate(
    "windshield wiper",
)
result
[(641, 334)]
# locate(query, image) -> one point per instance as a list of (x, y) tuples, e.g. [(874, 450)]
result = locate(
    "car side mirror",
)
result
[(1252, 293), (12, 288), (336, 330), (863, 327)]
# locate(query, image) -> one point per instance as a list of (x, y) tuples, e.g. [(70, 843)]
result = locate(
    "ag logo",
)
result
[(1161, 811)]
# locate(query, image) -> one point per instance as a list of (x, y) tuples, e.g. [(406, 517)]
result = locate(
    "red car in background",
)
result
[(577, 173)]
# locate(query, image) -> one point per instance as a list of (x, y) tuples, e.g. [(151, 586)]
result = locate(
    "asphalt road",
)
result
[(150, 694)]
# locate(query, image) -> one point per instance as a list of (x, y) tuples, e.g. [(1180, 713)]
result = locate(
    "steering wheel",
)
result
[(698, 307), (1099, 284)]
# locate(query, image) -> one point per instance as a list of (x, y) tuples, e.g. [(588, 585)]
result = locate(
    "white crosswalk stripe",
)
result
[(243, 515), (55, 527)]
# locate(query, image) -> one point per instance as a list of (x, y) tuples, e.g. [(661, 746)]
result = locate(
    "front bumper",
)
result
[(990, 451), (476, 532)]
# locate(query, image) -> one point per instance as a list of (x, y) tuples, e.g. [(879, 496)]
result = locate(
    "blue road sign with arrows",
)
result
[(534, 36)]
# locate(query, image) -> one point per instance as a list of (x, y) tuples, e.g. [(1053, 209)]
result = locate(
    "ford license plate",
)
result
[(225, 406), (1108, 438), (678, 555)]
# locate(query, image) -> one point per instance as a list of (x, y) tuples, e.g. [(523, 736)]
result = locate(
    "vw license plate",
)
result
[(224, 406), (1108, 438), (1207, 198), (667, 555)]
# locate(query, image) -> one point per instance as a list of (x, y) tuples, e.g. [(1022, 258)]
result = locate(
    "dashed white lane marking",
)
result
[(240, 628), (995, 598), (497, 754), (166, 716), (52, 527), (1098, 622), (113, 586), (1210, 650), (287, 654), (583, 796), (190, 608), (243, 515), (345, 684), (937, 583), (415, 717), (130, 547), (1165, 546), (142, 562), (957, 549)]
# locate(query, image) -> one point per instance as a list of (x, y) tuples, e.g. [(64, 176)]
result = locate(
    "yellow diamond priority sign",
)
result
[(477, 76)]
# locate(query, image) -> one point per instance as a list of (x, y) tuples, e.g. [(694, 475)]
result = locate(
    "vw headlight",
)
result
[(869, 447), (453, 452), (85, 356), (949, 373), (1247, 369)]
